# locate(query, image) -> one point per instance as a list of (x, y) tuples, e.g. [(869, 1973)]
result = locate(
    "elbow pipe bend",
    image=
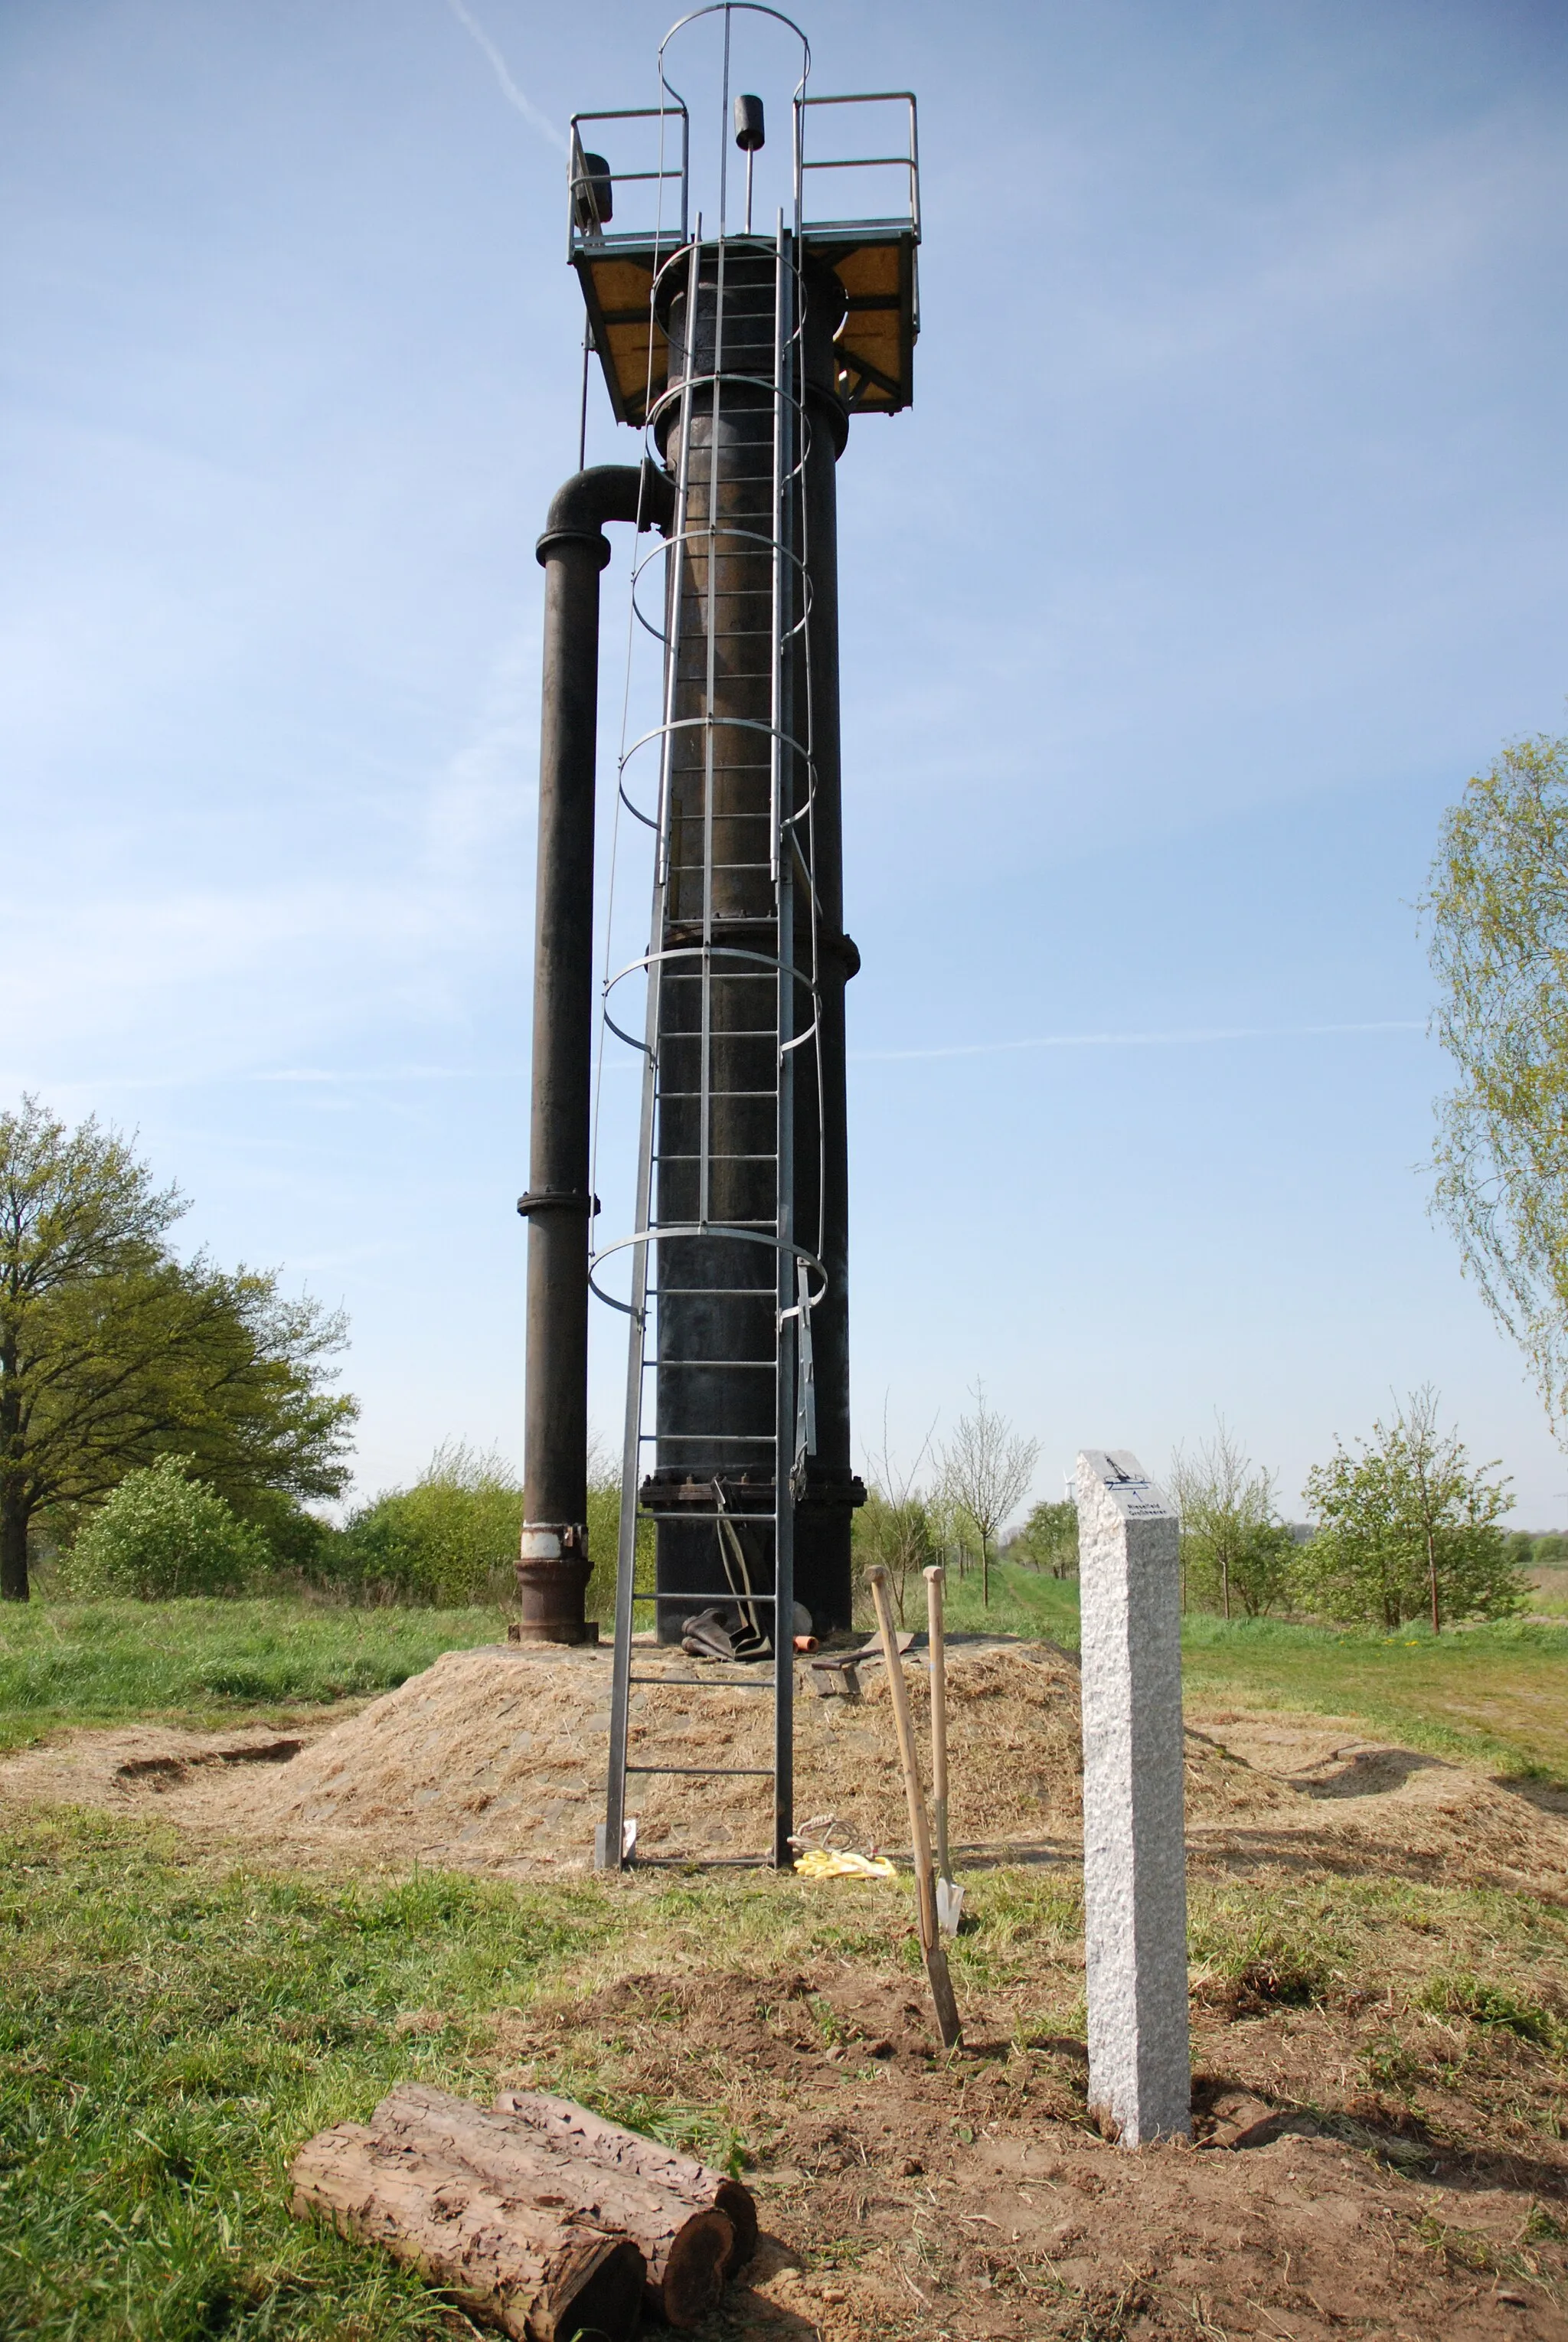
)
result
[(641, 494)]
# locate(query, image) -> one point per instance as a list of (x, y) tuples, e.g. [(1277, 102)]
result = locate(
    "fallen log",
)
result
[(680, 2176), (686, 2241), (535, 2270)]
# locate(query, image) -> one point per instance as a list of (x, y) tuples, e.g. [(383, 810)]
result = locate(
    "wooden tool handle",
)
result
[(935, 1579), (946, 2007)]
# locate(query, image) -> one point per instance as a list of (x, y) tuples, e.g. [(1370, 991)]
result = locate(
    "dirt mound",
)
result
[(125, 1767), (1356, 1804), (495, 1759)]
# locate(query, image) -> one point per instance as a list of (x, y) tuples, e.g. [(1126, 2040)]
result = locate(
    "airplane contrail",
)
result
[(347, 1076), (515, 96)]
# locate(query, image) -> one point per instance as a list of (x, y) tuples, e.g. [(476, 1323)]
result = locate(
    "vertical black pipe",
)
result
[(554, 1566)]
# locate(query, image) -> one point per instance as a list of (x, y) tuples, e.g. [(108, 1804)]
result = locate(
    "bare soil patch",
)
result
[(906, 2191)]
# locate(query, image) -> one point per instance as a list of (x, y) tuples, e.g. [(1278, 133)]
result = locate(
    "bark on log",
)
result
[(533, 2270), (680, 2175), (687, 2243)]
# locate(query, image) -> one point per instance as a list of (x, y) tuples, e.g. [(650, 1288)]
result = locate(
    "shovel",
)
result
[(949, 1897), (948, 2023)]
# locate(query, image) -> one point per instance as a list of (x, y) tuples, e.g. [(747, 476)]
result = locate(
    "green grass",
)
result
[(170, 2035), (1497, 1693), (210, 1662), (174, 2027), (1023, 1602)]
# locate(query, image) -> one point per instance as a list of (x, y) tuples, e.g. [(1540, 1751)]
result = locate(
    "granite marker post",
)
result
[(1134, 1857)]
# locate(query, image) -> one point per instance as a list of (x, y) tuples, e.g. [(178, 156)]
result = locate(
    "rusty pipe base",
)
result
[(552, 1574)]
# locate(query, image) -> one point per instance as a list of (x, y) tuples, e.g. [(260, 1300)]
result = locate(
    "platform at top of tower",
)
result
[(875, 263)]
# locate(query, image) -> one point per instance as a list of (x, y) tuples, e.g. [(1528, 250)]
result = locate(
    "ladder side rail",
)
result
[(786, 305), (612, 1854), (715, 434)]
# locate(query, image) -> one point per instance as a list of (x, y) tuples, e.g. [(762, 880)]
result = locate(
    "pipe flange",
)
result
[(553, 538)]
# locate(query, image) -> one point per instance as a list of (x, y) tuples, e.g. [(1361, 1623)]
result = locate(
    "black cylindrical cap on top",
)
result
[(749, 132), (592, 193)]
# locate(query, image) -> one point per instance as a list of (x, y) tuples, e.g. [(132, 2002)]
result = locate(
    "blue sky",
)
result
[(1223, 541)]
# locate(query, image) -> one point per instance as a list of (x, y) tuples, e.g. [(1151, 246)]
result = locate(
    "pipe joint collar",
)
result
[(554, 1541), (555, 539)]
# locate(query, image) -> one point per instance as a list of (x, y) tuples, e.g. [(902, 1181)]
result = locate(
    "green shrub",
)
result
[(451, 1538), (162, 1533), (605, 1541)]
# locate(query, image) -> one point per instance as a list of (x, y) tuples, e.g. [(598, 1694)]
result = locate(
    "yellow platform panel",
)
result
[(875, 343)]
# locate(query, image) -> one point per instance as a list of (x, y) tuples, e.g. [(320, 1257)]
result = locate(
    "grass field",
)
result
[(174, 2023), (174, 2027), (204, 1662), (1499, 1693)]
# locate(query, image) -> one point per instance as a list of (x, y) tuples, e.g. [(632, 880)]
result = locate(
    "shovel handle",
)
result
[(935, 1579), (948, 2019)]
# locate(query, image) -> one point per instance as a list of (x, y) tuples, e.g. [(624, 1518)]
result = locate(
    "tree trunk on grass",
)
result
[(14, 1586), (538, 2172), (589, 2135), (15, 1507), (529, 2269)]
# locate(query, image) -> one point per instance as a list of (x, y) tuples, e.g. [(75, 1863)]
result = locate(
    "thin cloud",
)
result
[(514, 97), (346, 1076), (1188, 1039)]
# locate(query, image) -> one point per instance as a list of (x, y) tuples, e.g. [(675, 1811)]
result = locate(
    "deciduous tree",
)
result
[(986, 1467), (1232, 1535), (1049, 1538), (1497, 918), (895, 1525), (114, 1352), (1407, 1525)]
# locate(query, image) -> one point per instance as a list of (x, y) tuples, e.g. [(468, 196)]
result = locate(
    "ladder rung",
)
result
[(709, 1861), (753, 1366), (716, 1438), (729, 1594), (726, 1772), (702, 1683)]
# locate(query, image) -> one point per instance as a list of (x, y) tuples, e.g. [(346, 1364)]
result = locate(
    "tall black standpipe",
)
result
[(719, 942), (553, 1568), (717, 1295)]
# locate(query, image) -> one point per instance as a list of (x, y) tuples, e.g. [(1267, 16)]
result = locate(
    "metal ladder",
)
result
[(696, 1090)]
